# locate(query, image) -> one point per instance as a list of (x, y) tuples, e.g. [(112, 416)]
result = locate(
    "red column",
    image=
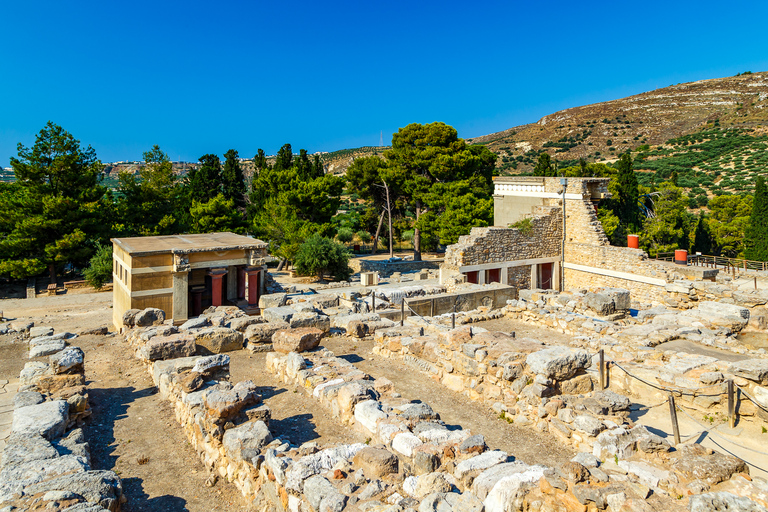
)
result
[(217, 277), (253, 286), (240, 283)]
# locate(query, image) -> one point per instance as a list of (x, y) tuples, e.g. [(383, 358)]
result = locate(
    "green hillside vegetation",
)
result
[(711, 162)]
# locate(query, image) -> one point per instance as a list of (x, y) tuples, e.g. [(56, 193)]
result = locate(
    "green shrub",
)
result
[(345, 235), (320, 256), (524, 225), (99, 269), (364, 236)]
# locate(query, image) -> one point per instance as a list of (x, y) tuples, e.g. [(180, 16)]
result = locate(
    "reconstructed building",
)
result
[(184, 274), (529, 246)]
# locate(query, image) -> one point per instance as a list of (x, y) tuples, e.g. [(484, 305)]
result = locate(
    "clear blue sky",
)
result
[(203, 77)]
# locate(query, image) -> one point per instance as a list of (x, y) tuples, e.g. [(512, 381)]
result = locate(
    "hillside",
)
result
[(602, 131)]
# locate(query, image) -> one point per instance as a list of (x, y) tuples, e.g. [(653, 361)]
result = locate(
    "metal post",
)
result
[(755, 282), (673, 413), (432, 308), (373, 300), (564, 183), (602, 369), (402, 312), (731, 405), (453, 320)]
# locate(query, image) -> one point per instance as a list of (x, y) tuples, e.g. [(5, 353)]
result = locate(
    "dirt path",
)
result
[(131, 422), (524, 443), (296, 417)]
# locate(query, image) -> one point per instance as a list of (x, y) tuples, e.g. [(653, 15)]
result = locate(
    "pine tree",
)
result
[(55, 211), (628, 212), (232, 180), (205, 182), (756, 239)]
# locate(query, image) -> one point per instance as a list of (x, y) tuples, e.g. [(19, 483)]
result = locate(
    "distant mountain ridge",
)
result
[(602, 131)]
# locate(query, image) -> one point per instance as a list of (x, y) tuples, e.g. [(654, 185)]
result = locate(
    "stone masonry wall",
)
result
[(500, 244), (386, 269), (621, 259)]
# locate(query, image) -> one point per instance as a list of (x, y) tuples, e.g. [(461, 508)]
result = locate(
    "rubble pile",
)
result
[(46, 463)]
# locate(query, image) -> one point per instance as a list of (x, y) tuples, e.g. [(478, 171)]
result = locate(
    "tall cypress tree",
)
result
[(756, 236), (628, 212), (260, 161), (702, 236), (319, 170), (232, 180), (284, 158)]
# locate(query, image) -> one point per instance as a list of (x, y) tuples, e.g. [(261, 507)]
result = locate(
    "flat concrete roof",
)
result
[(180, 244)]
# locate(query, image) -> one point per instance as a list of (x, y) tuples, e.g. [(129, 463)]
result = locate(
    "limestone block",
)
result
[(216, 340), (273, 300), (558, 363), (753, 369), (129, 317), (717, 501), (696, 462), (41, 330), (376, 462), (722, 308), (49, 419), (16, 479), (101, 487), (208, 364), (480, 462), (46, 348), (69, 360), (225, 404), (278, 314), (310, 319), (194, 323), (511, 489), (149, 316), (245, 442), (262, 333), (168, 347), (588, 424), (368, 414), (578, 385), (600, 303), (349, 395), (296, 340), (624, 443), (405, 443), (242, 323), (321, 493)]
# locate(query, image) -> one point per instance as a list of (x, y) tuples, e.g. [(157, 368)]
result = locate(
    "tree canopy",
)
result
[(438, 181), (54, 214), (150, 202), (756, 236)]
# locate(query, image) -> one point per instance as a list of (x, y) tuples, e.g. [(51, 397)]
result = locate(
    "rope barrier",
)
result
[(760, 406), (414, 312), (714, 434), (660, 388)]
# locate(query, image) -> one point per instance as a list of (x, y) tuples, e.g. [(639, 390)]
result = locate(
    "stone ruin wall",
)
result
[(501, 244), (620, 259)]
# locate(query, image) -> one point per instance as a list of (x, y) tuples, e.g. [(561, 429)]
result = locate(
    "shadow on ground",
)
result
[(139, 501), (297, 429)]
